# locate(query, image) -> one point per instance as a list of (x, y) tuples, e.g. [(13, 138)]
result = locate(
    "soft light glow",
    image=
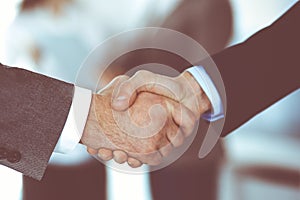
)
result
[(8, 11), (252, 16), (10, 184), (127, 186)]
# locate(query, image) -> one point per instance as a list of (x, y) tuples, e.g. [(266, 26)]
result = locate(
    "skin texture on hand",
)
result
[(183, 89), (144, 133)]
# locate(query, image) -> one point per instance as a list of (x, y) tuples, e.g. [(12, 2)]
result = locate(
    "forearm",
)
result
[(33, 114), (261, 70)]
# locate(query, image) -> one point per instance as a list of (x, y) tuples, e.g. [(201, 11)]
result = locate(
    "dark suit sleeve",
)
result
[(33, 112), (262, 70)]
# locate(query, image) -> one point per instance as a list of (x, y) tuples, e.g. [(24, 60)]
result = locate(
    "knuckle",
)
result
[(180, 87), (125, 84), (142, 73), (155, 159), (123, 77)]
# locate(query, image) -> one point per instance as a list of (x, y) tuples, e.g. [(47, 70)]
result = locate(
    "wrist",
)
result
[(203, 103), (91, 122)]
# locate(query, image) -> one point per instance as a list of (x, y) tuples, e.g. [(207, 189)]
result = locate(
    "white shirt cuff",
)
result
[(211, 92), (74, 126)]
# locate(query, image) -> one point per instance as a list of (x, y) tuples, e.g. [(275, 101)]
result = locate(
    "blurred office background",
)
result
[(261, 158)]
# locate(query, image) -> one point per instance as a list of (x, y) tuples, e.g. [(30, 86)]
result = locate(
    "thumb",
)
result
[(145, 81), (124, 96)]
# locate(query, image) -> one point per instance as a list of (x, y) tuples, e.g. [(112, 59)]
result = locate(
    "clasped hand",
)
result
[(139, 120)]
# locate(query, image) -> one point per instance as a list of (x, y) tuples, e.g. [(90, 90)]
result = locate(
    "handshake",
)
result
[(141, 119)]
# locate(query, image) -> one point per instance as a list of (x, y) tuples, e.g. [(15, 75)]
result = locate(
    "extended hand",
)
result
[(183, 89)]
